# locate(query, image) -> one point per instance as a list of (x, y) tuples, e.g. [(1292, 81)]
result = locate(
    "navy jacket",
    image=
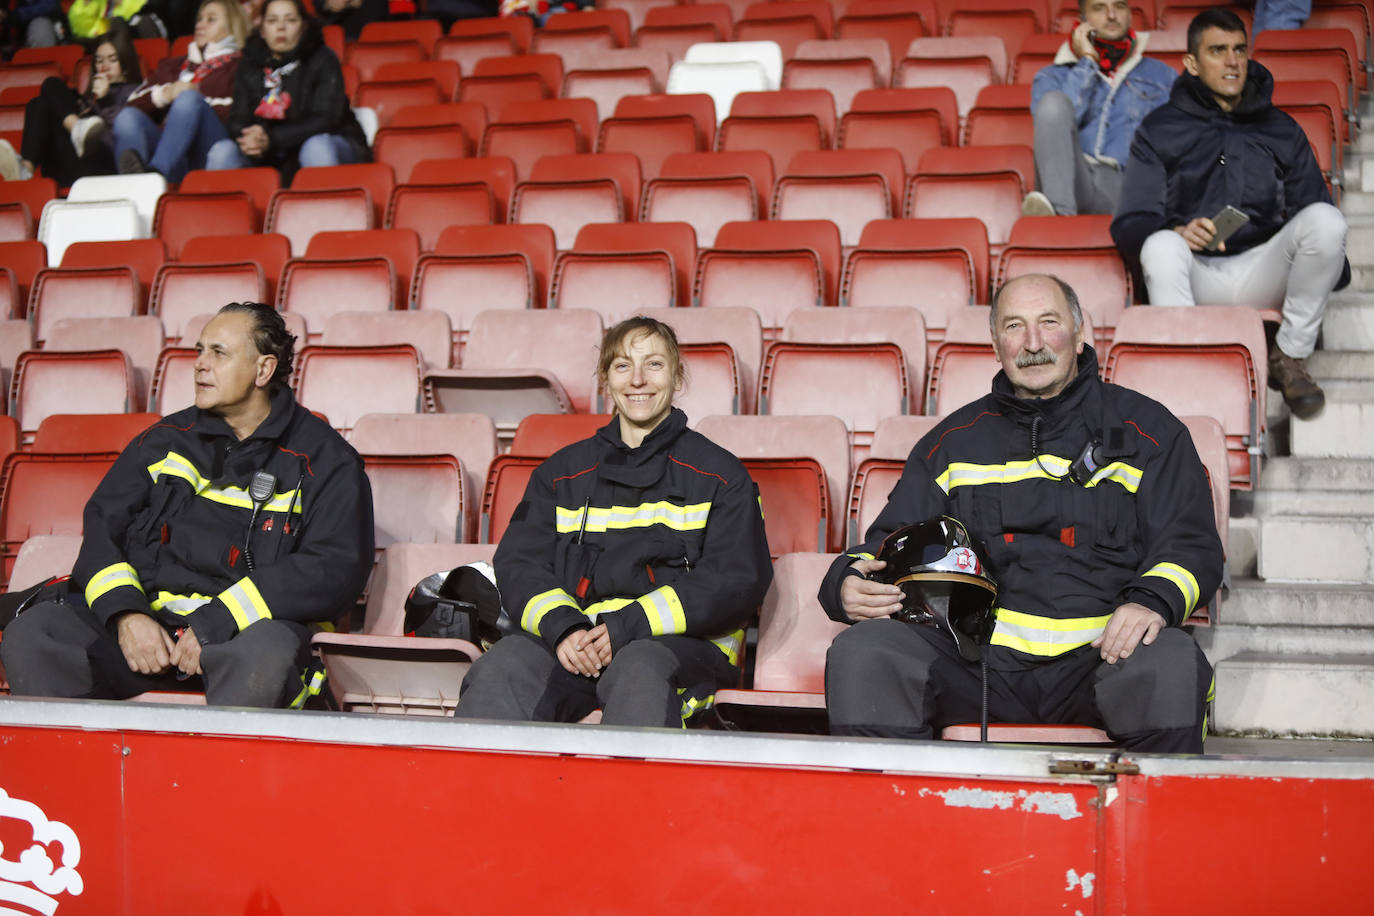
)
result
[(1190, 159), (164, 532), (1065, 555), (661, 539)]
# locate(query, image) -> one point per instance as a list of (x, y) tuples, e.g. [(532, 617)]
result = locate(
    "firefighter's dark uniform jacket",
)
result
[(1065, 555), (165, 530), (661, 539)]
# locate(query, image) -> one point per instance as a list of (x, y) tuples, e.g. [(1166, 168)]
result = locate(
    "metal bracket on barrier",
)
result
[(1080, 767)]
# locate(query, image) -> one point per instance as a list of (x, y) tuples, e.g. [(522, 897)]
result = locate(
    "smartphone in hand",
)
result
[(1227, 222)]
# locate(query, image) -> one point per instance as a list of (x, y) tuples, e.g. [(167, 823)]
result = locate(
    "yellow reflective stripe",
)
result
[(664, 610), (693, 705), (308, 688), (174, 465), (1183, 580), (245, 602), (1036, 635), (111, 577), (179, 604), (238, 497), (541, 604), (1120, 472), (679, 518), (606, 606), (964, 474), (730, 644), (860, 555)]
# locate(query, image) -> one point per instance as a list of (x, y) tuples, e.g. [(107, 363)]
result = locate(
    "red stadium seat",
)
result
[(469, 438), (988, 180), (77, 292), (49, 382), (182, 291), (399, 246), (298, 214), (45, 495), (850, 186), (1200, 361), (910, 121), (785, 452), (789, 664), (932, 264), (181, 217), (521, 362), (568, 192), (844, 67), (269, 251), (966, 63), (896, 22), (316, 288), (344, 383), (708, 190)]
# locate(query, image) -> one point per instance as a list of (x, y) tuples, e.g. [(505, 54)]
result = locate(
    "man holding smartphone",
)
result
[(1087, 105), (1224, 203)]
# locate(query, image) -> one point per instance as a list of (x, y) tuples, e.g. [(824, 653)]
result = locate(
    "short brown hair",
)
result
[(613, 344)]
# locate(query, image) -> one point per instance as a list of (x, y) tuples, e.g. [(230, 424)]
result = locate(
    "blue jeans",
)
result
[(188, 131), (1280, 14), (321, 149)]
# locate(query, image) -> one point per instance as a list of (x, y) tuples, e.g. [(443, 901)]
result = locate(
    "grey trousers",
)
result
[(1072, 182), (646, 682), (60, 649), (1295, 270), (892, 679)]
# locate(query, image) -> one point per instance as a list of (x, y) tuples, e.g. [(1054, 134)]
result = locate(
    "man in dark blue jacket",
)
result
[(1220, 142), (219, 535), (1094, 517)]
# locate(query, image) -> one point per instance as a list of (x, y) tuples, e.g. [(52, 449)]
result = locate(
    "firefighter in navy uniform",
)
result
[(631, 565), (1095, 519), (216, 538)]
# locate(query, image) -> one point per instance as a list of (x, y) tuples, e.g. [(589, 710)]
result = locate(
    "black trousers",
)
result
[(48, 145), (60, 649), (648, 682), (892, 679)]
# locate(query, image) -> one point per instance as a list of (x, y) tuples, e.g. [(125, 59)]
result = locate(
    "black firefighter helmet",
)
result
[(945, 583)]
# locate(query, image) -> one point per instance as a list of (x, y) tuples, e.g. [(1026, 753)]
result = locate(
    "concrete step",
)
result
[(1312, 548), (1242, 548), (1349, 322), (1271, 501), (1359, 238), (1329, 365), (1349, 474), (1255, 603), (1227, 639), (1295, 694), (1344, 428)]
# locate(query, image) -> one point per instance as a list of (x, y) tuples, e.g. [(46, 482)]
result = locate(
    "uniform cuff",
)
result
[(212, 623)]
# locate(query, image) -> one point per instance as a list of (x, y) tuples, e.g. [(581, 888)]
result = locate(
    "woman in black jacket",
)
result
[(68, 135), (632, 564), (290, 108)]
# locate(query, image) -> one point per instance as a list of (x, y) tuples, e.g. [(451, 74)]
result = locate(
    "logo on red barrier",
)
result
[(34, 877)]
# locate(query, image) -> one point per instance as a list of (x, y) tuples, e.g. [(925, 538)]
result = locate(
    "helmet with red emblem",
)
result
[(945, 584)]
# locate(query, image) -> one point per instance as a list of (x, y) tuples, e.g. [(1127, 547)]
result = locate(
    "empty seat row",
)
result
[(858, 365)]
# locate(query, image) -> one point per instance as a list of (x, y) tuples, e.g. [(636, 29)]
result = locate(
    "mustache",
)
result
[(1041, 357)]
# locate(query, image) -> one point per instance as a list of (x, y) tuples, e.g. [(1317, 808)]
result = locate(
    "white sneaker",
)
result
[(81, 130), (1036, 204), (10, 166)]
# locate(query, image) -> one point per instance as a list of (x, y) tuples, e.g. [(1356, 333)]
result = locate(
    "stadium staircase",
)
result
[(1294, 647)]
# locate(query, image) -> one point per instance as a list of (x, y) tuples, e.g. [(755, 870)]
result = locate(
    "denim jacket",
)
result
[(1108, 111)]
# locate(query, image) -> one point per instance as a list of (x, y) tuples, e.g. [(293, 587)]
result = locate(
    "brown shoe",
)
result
[(1302, 395)]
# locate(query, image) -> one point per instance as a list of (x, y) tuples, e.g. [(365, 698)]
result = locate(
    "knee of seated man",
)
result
[(861, 648), (1166, 243), (643, 657), (1323, 224), (1053, 103)]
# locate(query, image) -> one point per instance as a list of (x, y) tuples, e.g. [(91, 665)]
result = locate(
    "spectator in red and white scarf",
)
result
[(181, 110)]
